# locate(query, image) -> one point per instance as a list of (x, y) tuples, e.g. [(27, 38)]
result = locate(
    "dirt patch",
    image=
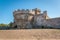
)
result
[(30, 34)]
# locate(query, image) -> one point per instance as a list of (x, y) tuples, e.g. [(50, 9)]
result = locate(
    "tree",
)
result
[(3, 25), (10, 24)]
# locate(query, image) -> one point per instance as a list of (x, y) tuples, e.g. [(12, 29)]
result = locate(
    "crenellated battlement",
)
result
[(32, 11), (23, 10)]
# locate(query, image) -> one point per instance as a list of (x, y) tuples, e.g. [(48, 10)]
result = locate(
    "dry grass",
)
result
[(30, 34)]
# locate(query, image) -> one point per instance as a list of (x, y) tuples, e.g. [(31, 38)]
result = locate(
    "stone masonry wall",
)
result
[(53, 22)]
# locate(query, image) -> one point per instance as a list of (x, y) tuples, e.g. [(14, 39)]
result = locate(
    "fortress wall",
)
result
[(54, 22), (40, 20), (23, 17)]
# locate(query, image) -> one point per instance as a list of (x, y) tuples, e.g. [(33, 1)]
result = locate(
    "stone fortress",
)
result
[(34, 19)]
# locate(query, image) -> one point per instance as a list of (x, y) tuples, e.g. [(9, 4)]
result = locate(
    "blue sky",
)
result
[(8, 6)]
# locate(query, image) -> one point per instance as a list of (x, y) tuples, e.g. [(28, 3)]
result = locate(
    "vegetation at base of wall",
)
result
[(9, 26), (2, 25), (6, 26)]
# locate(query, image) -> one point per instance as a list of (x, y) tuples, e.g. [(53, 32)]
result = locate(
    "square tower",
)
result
[(37, 11)]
